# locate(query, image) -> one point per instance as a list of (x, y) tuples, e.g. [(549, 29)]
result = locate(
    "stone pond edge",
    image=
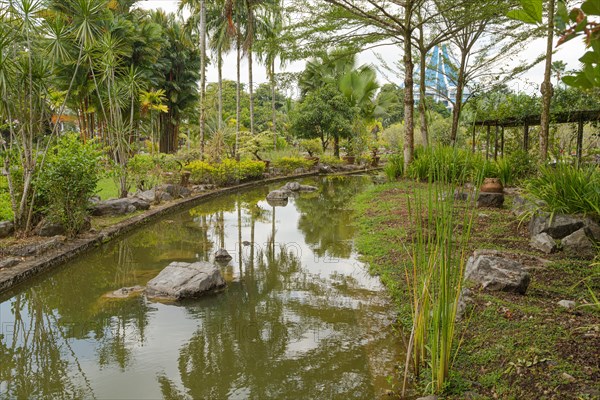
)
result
[(14, 276)]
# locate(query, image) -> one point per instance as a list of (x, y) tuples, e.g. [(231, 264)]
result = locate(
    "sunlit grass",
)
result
[(107, 188)]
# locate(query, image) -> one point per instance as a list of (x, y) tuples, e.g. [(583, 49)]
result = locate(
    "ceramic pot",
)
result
[(492, 185)]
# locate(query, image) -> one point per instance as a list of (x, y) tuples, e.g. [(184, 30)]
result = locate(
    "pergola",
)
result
[(579, 117)]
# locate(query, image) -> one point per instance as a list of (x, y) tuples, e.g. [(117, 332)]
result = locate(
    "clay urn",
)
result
[(492, 185)]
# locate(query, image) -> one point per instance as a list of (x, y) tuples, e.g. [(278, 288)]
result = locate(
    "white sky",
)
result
[(528, 82)]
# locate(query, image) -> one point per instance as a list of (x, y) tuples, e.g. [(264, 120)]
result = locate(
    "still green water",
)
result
[(300, 318)]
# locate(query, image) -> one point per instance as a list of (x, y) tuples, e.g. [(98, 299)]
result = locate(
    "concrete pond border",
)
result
[(13, 276)]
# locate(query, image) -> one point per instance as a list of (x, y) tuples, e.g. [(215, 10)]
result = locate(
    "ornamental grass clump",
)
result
[(394, 168), (566, 189), (448, 164), (438, 255)]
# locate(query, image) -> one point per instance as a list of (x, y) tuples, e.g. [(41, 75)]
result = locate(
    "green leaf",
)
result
[(562, 16), (579, 81), (591, 7), (533, 8), (590, 58), (522, 16)]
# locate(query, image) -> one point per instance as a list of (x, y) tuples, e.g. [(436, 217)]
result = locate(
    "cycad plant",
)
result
[(438, 253)]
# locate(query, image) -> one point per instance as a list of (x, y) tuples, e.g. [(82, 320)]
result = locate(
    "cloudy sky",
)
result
[(528, 82)]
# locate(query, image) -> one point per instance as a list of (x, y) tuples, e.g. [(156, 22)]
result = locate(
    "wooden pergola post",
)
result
[(502, 141), (487, 142), (496, 142), (579, 141)]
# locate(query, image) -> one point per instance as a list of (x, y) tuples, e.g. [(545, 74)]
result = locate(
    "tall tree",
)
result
[(177, 72), (271, 47), (220, 44), (531, 13), (197, 22)]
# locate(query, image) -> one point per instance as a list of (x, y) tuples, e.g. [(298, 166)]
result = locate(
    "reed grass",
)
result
[(567, 189), (438, 253)]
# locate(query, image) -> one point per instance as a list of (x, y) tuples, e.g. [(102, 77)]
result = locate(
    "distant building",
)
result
[(440, 76)]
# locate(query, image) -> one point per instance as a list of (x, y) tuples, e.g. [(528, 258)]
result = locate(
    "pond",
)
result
[(300, 318)]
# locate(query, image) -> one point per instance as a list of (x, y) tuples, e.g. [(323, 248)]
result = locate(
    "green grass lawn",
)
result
[(512, 346), (107, 189)]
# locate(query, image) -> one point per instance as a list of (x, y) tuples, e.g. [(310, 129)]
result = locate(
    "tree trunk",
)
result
[(251, 90), (220, 72), (273, 110), (237, 95), (423, 90), (202, 76), (409, 126), (168, 137), (460, 85), (336, 146), (546, 89)]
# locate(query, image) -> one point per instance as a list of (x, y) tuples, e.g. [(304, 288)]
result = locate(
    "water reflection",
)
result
[(300, 318)]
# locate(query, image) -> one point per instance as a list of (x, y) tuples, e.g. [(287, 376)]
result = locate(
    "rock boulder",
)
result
[(119, 206), (543, 242), (6, 228), (278, 195), (558, 227), (492, 200), (47, 228), (222, 255), (579, 245), (293, 186), (181, 280), (8, 262), (125, 293), (495, 273)]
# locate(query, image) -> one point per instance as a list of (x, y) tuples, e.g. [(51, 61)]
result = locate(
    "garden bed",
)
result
[(512, 346)]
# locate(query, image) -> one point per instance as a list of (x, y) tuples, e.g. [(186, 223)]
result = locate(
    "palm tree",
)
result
[(220, 43), (198, 22), (176, 72), (153, 100), (269, 51)]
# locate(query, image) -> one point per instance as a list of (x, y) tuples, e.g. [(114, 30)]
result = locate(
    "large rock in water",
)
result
[(119, 206), (223, 255), (279, 195), (297, 187), (181, 280), (497, 274)]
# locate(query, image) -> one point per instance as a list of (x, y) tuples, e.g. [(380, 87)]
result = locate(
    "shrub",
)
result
[(290, 164), (567, 189), (394, 168), (68, 181), (144, 171), (251, 169), (331, 160), (200, 171), (6, 213), (312, 146), (393, 135), (227, 172)]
